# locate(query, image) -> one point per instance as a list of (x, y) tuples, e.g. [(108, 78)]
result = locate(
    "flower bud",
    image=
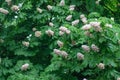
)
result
[(49, 7), (37, 33), (51, 24), (62, 3), (64, 54), (25, 43), (25, 67), (39, 10), (68, 18), (101, 66), (56, 51), (94, 48), (80, 56), (4, 11), (86, 27), (86, 48), (60, 44), (50, 32), (15, 8), (75, 22)]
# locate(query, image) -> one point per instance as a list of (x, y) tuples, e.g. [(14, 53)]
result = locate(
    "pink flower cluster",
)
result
[(83, 18), (86, 48), (94, 48), (63, 30), (68, 18), (60, 43), (49, 32), (4, 11), (71, 7), (25, 43), (38, 33), (75, 22), (15, 8), (39, 10), (25, 67), (80, 56), (101, 66), (62, 3)]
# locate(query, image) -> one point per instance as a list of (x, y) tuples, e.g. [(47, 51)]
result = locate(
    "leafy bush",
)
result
[(59, 40)]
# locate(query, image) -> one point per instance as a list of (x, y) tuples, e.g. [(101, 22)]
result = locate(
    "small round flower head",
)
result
[(49, 32), (61, 33), (51, 24), (25, 67), (68, 31), (68, 18), (82, 16), (71, 7), (95, 48), (4, 11), (60, 44), (86, 27), (87, 33), (64, 54), (86, 48), (101, 66), (49, 7), (34, 29), (8, 2), (75, 22), (37, 33), (108, 25), (25, 43), (62, 3), (39, 10), (56, 51), (84, 20), (80, 56), (63, 29), (15, 8), (95, 24), (118, 78)]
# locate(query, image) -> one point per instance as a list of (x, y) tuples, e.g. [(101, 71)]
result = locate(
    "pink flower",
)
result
[(86, 27), (95, 48), (39, 10), (80, 56), (49, 7), (25, 43), (37, 33), (75, 22), (63, 29), (4, 11), (86, 48), (15, 8), (95, 24), (51, 24), (50, 32), (64, 54), (61, 33), (62, 3), (71, 7), (25, 67), (68, 18), (56, 51), (101, 66), (60, 44)]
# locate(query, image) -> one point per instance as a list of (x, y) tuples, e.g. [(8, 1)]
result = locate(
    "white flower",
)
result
[(118, 78), (15, 8), (80, 56), (50, 32), (25, 43), (60, 44), (101, 66), (63, 29), (68, 31), (75, 22), (37, 33), (8, 2), (86, 27), (34, 29), (61, 33), (4, 11), (108, 25), (94, 48), (84, 20), (95, 24), (56, 51), (20, 5), (25, 67), (49, 7), (84, 79), (62, 3), (51, 24), (16, 17), (86, 48), (68, 18), (71, 7), (82, 16), (39, 10), (64, 54)]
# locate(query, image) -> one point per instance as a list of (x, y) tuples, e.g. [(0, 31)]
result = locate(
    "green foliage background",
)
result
[(44, 63)]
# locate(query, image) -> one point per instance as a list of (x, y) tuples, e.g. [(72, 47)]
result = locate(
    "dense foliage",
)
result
[(59, 39)]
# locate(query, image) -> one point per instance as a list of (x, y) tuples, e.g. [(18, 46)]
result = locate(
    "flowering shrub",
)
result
[(59, 40)]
